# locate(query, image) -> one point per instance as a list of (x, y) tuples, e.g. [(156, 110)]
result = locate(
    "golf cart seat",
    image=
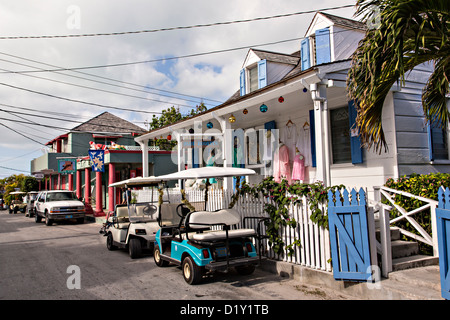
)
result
[(198, 220), (121, 217)]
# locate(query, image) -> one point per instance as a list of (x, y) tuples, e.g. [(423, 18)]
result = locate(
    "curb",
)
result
[(398, 287)]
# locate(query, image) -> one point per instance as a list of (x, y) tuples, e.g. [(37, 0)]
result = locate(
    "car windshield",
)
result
[(143, 212), (60, 196)]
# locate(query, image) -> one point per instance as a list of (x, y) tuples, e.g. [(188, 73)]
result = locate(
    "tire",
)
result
[(192, 273), (134, 248), (80, 220), (157, 257), (48, 221), (37, 217), (245, 270), (110, 242)]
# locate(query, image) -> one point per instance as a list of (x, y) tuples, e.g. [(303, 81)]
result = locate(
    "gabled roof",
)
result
[(278, 57), (345, 22), (108, 123)]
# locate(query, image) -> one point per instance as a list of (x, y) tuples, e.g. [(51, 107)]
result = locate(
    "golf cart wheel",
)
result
[(134, 248), (110, 242), (48, 221), (245, 270), (191, 272), (157, 257)]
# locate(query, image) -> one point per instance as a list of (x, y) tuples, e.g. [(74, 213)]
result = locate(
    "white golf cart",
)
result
[(203, 242), (133, 226)]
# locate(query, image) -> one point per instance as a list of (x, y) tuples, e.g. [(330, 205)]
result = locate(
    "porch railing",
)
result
[(384, 246)]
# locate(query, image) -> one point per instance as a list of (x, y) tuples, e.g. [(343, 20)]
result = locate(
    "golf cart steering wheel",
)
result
[(182, 210)]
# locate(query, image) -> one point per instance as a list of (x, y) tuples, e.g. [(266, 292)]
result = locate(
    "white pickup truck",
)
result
[(57, 205)]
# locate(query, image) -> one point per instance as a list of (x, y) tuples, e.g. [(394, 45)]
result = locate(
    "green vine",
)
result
[(281, 196)]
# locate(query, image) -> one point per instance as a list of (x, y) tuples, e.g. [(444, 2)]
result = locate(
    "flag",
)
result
[(98, 160)]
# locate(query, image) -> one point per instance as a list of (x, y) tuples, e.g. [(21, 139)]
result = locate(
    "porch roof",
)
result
[(293, 82)]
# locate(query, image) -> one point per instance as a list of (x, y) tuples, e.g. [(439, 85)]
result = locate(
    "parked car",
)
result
[(30, 198), (17, 204), (58, 205)]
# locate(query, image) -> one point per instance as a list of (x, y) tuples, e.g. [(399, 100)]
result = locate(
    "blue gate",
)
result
[(349, 238), (443, 232)]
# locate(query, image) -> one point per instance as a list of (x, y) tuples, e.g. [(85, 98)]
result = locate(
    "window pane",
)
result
[(439, 141), (340, 136), (253, 73)]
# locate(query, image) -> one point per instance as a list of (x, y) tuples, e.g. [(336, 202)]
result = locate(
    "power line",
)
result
[(14, 169), (174, 28), (101, 77), (97, 89), (78, 101), (23, 135)]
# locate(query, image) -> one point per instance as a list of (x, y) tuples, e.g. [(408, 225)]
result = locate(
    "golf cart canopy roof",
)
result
[(17, 192), (138, 181), (208, 172)]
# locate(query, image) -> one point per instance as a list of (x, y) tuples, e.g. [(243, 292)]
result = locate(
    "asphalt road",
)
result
[(43, 263)]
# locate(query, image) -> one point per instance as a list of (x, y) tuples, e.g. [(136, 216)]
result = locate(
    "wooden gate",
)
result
[(349, 238), (443, 231)]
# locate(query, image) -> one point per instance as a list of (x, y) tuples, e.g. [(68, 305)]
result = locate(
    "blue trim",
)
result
[(242, 82), (443, 234), (305, 56), (355, 142), (262, 74), (312, 131), (323, 51)]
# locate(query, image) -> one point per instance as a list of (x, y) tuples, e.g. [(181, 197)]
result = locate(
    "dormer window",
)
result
[(316, 49), (253, 77)]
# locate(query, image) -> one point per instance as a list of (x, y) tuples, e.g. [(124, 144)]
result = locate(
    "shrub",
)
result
[(427, 186)]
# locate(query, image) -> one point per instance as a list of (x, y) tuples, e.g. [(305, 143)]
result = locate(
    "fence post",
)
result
[(385, 239), (434, 230)]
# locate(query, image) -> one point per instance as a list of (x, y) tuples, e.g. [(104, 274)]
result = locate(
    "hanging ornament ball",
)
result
[(263, 108), (280, 99), (191, 130), (245, 111), (232, 119), (169, 137), (209, 125), (305, 90)]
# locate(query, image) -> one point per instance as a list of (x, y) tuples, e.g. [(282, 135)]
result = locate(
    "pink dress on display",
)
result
[(281, 165), (298, 169)]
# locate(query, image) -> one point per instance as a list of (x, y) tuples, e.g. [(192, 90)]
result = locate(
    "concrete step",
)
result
[(414, 261), (402, 248), (395, 234)]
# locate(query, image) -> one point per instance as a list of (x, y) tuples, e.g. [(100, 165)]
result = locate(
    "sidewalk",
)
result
[(411, 284)]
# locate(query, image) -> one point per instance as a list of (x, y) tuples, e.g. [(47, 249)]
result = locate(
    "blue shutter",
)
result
[(430, 142), (262, 74), (323, 52), (306, 62), (355, 141), (242, 82), (312, 132)]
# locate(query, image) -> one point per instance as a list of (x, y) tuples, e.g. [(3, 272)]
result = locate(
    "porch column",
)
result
[(58, 187), (318, 95), (112, 179), (144, 146), (87, 186), (70, 181), (78, 182), (98, 194)]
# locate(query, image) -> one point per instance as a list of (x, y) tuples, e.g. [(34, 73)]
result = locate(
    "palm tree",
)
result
[(408, 33)]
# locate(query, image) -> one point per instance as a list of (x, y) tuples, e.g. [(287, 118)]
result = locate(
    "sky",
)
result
[(164, 76)]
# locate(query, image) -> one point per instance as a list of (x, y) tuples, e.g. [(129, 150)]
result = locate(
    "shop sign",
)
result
[(98, 160), (67, 166)]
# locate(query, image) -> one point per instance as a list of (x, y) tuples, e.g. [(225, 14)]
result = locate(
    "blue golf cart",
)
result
[(203, 242)]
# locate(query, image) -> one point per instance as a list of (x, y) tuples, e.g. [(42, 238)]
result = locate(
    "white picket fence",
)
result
[(314, 251)]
